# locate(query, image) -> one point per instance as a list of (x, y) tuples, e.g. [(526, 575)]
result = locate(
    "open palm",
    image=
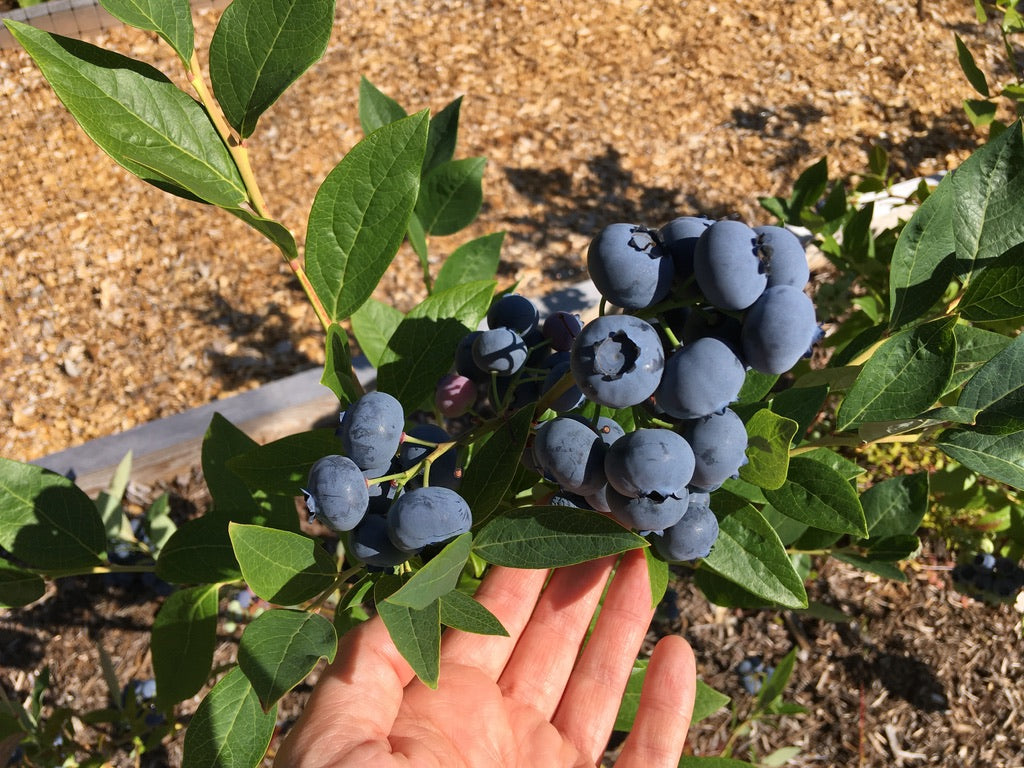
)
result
[(532, 699)]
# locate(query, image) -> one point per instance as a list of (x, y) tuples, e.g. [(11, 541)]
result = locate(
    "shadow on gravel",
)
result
[(902, 675), (604, 193)]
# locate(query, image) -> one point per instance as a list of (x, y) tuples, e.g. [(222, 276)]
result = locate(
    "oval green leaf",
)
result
[(19, 587), (183, 642), (437, 577), (360, 214), (494, 465), (261, 47), (229, 729), (198, 552), (280, 647), (904, 377), (997, 390), (171, 19), (415, 633), (138, 117), (281, 467), (552, 537), (999, 456), (460, 611), (998, 292), (476, 260), (46, 520), (282, 567), (820, 497), (451, 195), (768, 439)]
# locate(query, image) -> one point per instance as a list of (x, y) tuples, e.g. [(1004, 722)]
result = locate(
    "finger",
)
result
[(543, 658), (510, 594), (354, 702), (587, 711), (666, 706)]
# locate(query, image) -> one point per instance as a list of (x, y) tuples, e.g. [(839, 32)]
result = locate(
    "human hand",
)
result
[(532, 699)]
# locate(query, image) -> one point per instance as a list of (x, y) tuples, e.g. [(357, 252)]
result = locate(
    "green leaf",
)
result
[(108, 503), (157, 523), (820, 497), (46, 520), (974, 348), (415, 633), (184, 639), (451, 195), (776, 682), (282, 466), (350, 611), (229, 729), (171, 19), (923, 260), (722, 592), (232, 498), (19, 587), (375, 108), (276, 232), (974, 75), (437, 577), (338, 375), (881, 568), (476, 260), (904, 377), (893, 548), (980, 112), (801, 405), (755, 386), (768, 439), (494, 465), (749, 553), (807, 190), (896, 505), (998, 292), (421, 349), (551, 537), (988, 188), (138, 117), (997, 390), (372, 325), (460, 611), (281, 567), (780, 757), (198, 552), (999, 456), (707, 701), (657, 576), (280, 647), (360, 214), (261, 47), (693, 761), (443, 135)]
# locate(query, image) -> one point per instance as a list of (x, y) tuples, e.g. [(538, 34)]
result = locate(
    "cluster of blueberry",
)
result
[(702, 303), (395, 491), (752, 673), (989, 578)]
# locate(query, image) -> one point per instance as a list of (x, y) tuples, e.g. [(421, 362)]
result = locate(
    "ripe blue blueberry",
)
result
[(515, 312), (336, 492), (728, 267), (649, 462), (570, 453), (370, 544), (719, 443), (500, 351), (784, 255), (779, 329), (647, 513), (371, 429), (699, 379), (617, 360), (561, 329), (692, 537), (426, 516), (629, 267)]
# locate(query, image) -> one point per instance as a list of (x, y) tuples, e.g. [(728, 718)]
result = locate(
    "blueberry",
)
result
[(679, 237), (500, 351), (371, 429), (561, 329), (515, 312), (784, 257), (617, 360), (425, 516), (570, 453), (728, 267), (629, 267), (719, 443), (779, 329), (649, 462), (336, 492), (369, 543), (647, 513), (699, 379), (444, 470), (692, 537)]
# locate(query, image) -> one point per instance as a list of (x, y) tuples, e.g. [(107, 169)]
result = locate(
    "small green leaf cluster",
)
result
[(982, 112)]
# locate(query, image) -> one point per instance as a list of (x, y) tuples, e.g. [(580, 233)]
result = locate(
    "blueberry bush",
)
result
[(684, 418)]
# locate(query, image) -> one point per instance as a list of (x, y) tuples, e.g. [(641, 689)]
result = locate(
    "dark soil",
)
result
[(915, 675)]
